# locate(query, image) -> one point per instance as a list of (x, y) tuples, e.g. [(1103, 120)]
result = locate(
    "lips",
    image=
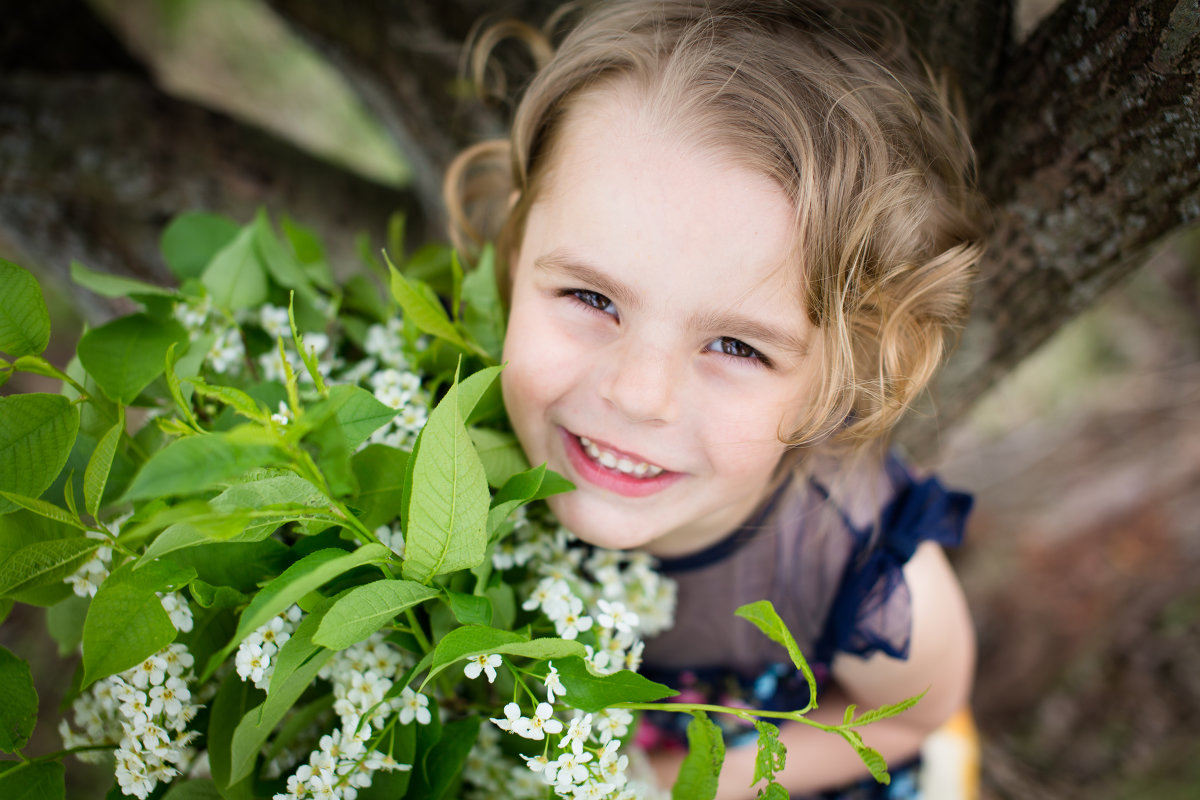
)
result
[(619, 471)]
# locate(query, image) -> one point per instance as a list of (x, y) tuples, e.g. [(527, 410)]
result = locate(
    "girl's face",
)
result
[(656, 345)]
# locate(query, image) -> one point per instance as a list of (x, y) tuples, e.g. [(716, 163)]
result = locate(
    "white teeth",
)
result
[(610, 460)]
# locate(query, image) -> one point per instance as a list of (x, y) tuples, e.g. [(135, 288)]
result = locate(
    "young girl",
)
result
[(735, 237)]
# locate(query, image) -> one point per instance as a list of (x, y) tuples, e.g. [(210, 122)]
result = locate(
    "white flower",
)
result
[(274, 320), (554, 687), (541, 723), (169, 698), (572, 621), (577, 733), (178, 610), (150, 672), (483, 663), (250, 662), (613, 765), (512, 718), (227, 351), (592, 790), (613, 723), (569, 768), (414, 706), (615, 616)]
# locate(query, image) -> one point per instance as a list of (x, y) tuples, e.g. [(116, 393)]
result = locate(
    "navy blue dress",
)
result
[(837, 583)]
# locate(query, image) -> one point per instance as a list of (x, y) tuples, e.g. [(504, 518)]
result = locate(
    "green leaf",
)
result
[(235, 278), (36, 434), (126, 622), (43, 563), (107, 285), (280, 263), (522, 488), (468, 641), (197, 463), (203, 789), (227, 527), (236, 399), (448, 509), (475, 388), (306, 575), (192, 239), (590, 693), (765, 618), (228, 709), (43, 780), (706, 753), (500, 453), (445, 759), (356, 410), (470, 609), (128, 353), (771, 755), (272, 490), (18, 711), (483, 316), (42, 508), (425, 313), (95, 478), (64, 623), (773, 791), (365, 609), (883, 712), (380, 471), (24, 320)]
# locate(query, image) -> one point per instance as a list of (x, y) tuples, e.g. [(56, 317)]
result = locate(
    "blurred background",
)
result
[(1084, 549)]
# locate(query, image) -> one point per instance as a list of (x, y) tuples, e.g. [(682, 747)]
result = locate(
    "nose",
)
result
[(642, 381)]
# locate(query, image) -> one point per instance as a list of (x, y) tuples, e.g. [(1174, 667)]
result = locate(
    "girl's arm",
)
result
[(941, 658)]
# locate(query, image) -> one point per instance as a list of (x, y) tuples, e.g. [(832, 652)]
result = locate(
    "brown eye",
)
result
[(735, 348), (593, 300)]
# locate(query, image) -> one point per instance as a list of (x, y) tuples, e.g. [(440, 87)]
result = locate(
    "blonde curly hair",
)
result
[(828, 101)]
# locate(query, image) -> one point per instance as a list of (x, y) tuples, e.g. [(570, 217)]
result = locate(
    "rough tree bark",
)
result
[(1087, 134)]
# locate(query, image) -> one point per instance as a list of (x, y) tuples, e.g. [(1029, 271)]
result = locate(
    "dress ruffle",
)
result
[(872, 611)]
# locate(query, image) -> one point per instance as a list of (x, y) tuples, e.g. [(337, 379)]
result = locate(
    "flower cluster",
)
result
[(145, 712), (345, 761), (256, 653)]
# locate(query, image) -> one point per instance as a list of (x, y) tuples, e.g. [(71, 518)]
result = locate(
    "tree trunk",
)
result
[(1087, 137)]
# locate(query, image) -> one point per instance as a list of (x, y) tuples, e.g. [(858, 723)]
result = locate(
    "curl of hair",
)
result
[(827, 100)]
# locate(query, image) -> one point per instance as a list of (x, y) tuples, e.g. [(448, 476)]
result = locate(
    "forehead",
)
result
[(626, 180)]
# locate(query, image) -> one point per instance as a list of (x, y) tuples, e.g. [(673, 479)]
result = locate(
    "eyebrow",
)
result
[(734, 326), (562, 262)]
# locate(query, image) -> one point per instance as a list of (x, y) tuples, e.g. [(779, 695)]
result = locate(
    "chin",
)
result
[(597, 528)]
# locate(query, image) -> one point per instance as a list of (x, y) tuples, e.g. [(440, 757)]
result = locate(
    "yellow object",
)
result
[(950, 760)]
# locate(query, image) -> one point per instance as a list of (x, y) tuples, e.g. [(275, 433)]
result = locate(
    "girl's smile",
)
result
[(657, 349)]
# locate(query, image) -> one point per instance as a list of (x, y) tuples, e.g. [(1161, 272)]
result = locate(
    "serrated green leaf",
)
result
[(771, 755), (765, 618), (364, 609), (590, 692), (24, 320), (198, 463), (235, 278), (427, 315), (125, 355), (700, 769), (192, 239), (95, 477), (356, 410), (42, 780), (43, 563), (236, 399), (773, 791), (107, 285), (18, 711), (445, 529), (273, 490), (883, 712), (126, 622), (522, 488), (43, 509), (281, 265), (871, 758), (37, 432)]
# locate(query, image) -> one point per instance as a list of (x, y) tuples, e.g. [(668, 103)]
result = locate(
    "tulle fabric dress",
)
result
[(831, 563)]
